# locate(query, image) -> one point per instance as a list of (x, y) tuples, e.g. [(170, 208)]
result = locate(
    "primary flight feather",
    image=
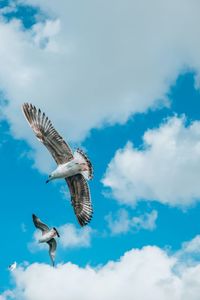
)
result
[(75, 167)]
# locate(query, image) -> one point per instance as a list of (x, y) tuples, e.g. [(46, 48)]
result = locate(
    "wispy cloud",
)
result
[(8, 9), (190, 251), (73, 237), (34, 245), (122, 222), (192, 246), (7, 295), (23, 227)]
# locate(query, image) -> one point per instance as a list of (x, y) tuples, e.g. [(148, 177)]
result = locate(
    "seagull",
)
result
[(47, 236), (12, 267), (75, 167)]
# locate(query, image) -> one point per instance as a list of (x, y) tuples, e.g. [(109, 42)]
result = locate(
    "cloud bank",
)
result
[(146, 274), (95, 65)]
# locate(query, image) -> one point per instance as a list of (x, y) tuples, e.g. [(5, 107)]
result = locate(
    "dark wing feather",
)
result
[(46, 133), (39, 224), (80, 198), (52, 250)]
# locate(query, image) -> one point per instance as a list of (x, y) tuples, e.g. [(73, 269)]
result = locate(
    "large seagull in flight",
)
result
[(75, 167)]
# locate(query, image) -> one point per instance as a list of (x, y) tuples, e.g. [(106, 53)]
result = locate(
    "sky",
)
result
[(121, 80)]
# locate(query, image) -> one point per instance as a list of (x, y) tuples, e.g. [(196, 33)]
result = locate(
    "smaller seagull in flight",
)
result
[(48, 236), (12, 267), (75, 167)]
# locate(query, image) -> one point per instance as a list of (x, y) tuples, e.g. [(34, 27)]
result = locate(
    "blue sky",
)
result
[(100, 110)]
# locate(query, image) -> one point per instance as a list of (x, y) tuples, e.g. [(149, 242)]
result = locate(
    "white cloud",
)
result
[(148, 273), (188, 255), (145, 221), (190, 250), (8, 9), (73, 237), (167, 169), (97, 64), (123, 223), (34, 245), (7, 295), (192, 246)]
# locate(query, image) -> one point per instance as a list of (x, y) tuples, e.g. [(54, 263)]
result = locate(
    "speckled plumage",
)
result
[(75, 168)]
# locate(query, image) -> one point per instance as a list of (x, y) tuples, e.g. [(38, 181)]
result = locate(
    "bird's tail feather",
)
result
[(88, 171)]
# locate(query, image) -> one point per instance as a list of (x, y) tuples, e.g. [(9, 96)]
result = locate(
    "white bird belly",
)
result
[(47, 236), (71, 168)]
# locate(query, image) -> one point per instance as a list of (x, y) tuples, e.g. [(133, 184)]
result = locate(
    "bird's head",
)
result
[(50, 177), (57, 233)]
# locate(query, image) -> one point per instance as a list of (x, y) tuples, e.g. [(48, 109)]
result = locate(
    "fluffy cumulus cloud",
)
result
[(167, 169), (147, 273), (122, 222), (94, 62)]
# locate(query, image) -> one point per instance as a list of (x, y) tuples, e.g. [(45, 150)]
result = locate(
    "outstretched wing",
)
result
[(39, 224), (80, 198), (13, 266), (46, 133), (52, 250)]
